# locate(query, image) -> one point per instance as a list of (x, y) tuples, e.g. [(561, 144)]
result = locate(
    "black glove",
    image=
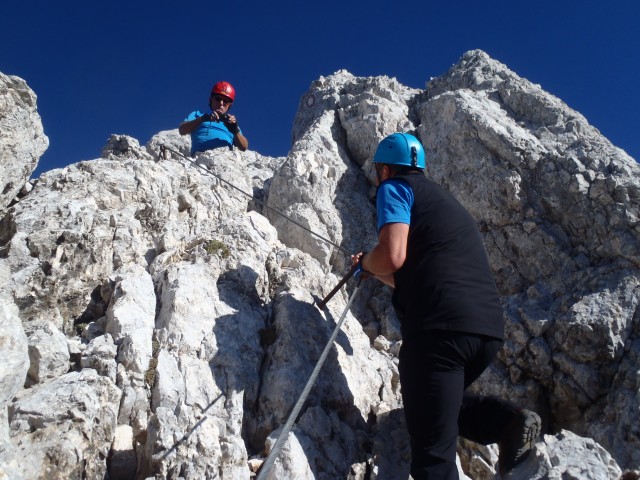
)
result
[(208, 117), (232, 127)]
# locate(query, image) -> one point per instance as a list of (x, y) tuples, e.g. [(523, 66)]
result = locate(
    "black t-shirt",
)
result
[(445, 282)]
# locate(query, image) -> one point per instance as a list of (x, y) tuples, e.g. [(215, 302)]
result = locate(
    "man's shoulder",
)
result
[(193, 115), (394, 184), (395, 191)]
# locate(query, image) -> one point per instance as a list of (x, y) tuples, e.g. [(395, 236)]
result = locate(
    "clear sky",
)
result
[(137, 67)]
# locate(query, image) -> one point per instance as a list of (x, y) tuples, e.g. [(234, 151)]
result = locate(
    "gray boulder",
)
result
[(22, 138)]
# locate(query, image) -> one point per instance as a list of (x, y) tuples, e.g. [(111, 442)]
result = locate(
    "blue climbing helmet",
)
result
[(400, 149)]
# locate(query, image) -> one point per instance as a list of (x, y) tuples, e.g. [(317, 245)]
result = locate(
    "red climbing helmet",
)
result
[(224, 88)]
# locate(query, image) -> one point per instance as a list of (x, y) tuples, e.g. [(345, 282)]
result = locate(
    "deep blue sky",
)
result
[(139, 67)]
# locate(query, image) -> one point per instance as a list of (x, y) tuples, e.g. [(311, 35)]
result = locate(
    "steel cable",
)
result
[(164, 147)]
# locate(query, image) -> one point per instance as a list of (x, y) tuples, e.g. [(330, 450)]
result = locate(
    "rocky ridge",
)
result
[(22, 138), (157, 323)]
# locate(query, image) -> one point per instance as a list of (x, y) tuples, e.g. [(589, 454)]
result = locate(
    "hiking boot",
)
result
[(517, 439)]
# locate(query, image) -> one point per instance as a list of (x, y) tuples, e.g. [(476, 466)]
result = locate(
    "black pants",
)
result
[(435, 369)]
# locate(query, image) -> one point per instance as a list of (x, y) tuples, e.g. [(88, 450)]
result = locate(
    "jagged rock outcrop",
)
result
[(188, 313), (22, 138), (123, 146), (13, 370), (558, 205)]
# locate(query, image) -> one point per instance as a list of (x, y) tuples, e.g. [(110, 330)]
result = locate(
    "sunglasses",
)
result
[(222, 99)]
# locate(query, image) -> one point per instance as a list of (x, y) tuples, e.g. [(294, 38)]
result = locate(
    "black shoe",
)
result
[(517, 439)]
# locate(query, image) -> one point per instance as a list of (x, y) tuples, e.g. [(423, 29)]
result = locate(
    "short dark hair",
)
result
[(402, 169)]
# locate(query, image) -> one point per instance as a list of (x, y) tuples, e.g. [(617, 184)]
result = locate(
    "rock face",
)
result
[(22, 139), (558, 206), (158, 315)]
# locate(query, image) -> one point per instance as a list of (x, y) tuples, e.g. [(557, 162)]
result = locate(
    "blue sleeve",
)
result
[(394, 202), (193, 116)]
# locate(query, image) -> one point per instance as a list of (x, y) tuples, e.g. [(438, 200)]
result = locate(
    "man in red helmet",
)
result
[(218, 128)]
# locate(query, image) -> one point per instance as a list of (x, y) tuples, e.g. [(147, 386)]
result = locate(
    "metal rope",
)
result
[(271, 458), (164, 147)]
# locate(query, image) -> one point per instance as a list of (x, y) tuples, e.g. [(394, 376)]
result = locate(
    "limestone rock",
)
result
[(566, 455), (131, 316), (321, 188), (123, 146), (122, 460), (13, 344), (22, 138), (48, 351), (172, 140), (369, 109), (65, 427), (13, 371), (100, 355), (558, 209)]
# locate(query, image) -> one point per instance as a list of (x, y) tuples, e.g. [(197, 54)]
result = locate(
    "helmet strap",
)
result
[(414, 157)]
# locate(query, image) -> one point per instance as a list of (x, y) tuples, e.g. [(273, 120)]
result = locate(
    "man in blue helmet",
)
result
[(430, 250), (218, 128)]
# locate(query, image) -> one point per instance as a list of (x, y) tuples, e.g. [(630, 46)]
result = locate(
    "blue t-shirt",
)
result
[(209, 134), (394, 200)]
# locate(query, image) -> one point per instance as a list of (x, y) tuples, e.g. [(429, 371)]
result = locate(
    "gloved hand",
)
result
[(230, 122), (232, 127), (208, 117)]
